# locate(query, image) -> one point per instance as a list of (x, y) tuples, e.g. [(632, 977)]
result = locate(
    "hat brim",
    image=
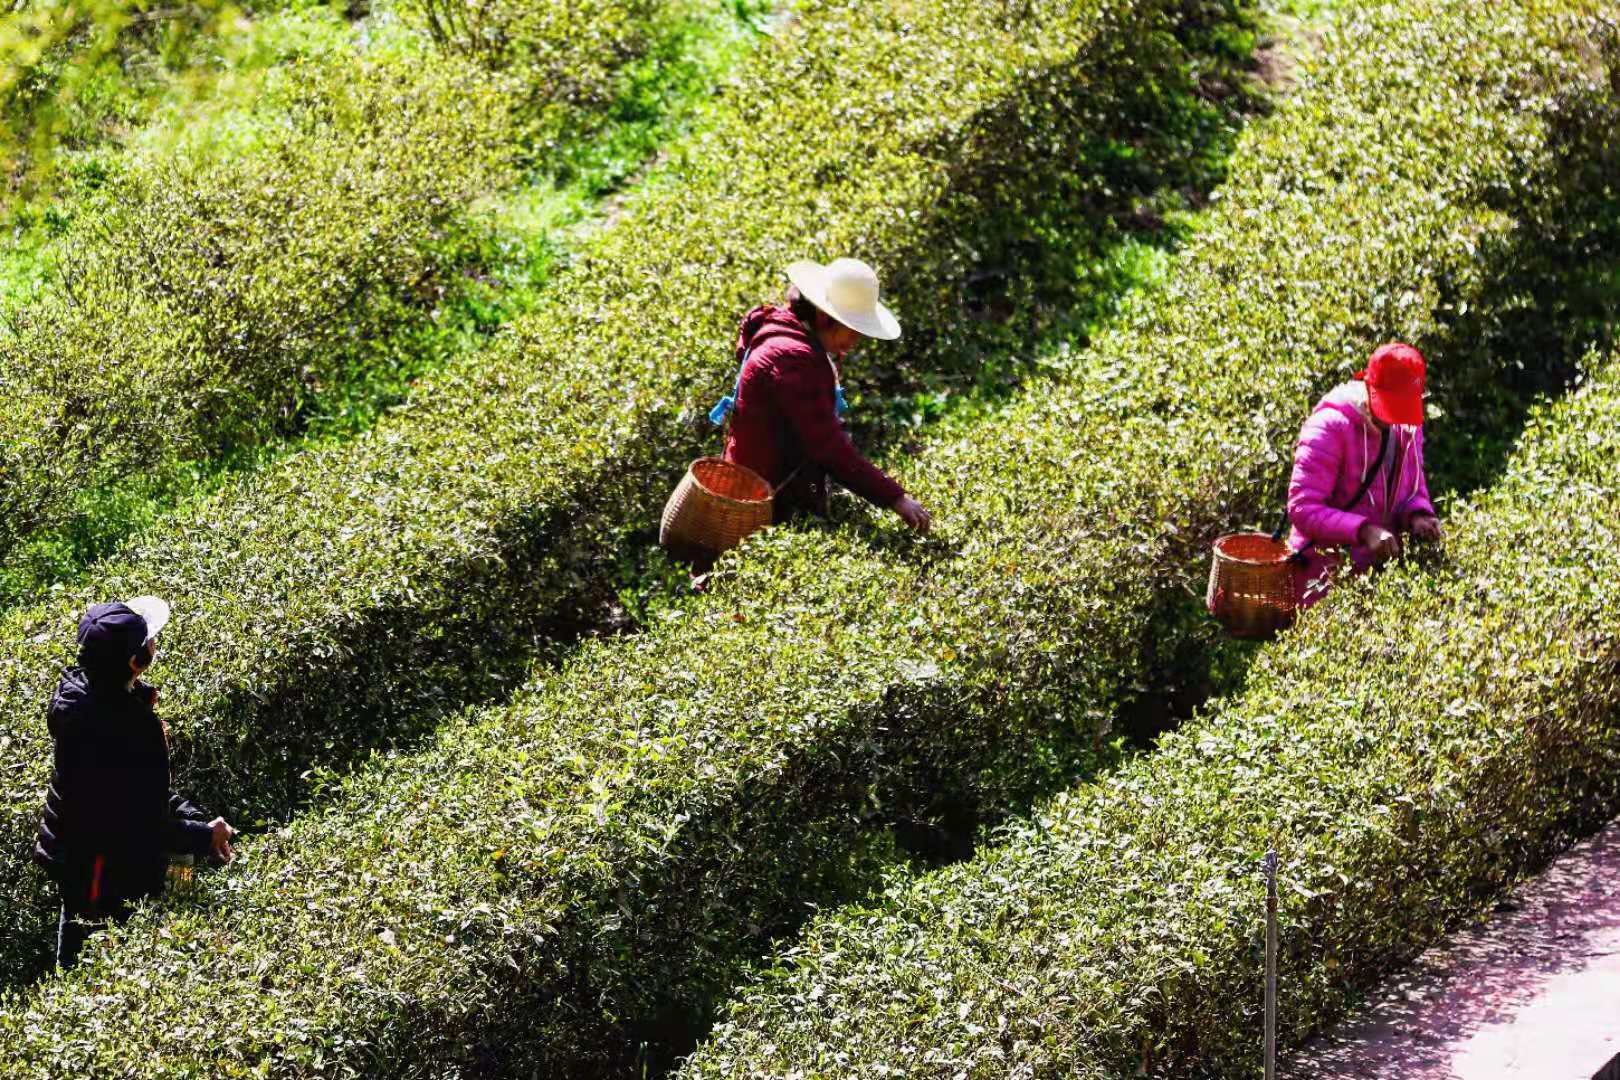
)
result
[(1391, 408), (153, 610), (811, 278)]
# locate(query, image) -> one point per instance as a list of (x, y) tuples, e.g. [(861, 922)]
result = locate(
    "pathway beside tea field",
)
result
[(1532, 994)]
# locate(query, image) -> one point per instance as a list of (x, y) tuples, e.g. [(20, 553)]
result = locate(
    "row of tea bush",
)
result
[(349, 596), (1417, 744), (1413, 747), (209, 292)]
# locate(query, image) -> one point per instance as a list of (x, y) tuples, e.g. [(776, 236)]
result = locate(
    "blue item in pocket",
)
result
[(717, 415), (723, 407)]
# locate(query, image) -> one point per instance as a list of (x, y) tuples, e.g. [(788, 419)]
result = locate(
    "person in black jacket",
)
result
[(111, 820)]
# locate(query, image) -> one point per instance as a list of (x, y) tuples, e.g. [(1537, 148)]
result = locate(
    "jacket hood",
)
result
[(78, 698), (770, 321), (72, 702), (1351, 399)]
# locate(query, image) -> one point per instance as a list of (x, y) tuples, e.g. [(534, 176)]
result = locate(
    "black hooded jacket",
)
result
[(111, 820)]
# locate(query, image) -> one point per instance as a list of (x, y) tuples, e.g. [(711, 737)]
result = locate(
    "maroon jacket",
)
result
[(786, 417)]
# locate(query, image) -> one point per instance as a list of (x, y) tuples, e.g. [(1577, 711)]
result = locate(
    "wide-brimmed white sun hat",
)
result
[(846, 289), (153, 610)]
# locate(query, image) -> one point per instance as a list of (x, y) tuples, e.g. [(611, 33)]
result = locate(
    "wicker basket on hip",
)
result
[(715, 506), (1251, 585)]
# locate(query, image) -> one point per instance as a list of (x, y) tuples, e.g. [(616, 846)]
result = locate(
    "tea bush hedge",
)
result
[(212, 292), (479, 268), (216, 291), (551, 884), (351, 595), (565, 53), (64, 66), (1410, 749)]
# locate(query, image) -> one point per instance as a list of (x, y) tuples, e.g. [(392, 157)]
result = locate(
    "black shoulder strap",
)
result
[(1361, 492), (1372, 473)]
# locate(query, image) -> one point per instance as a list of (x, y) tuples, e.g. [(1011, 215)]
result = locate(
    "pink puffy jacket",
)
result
[(1336, 447)]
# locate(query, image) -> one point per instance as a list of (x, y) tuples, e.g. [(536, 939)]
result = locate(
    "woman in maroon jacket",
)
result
[(786, 424)]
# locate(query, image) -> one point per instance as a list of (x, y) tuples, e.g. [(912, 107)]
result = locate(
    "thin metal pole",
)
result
[(1271, 964)]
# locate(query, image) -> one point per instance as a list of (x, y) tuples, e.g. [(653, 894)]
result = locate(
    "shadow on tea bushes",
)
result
[(480, 269), (1066, 231), (1415, 745), (350, 597), (544, 884)]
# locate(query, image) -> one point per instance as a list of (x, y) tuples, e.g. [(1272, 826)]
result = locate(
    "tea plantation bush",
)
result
[(216, 292), (200, 307), (565, 53), (552, 882), (353, 594), (64, 66), (1410, 749)]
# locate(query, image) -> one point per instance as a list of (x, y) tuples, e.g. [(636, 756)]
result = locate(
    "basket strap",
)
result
[(726, 408), (787, 481)]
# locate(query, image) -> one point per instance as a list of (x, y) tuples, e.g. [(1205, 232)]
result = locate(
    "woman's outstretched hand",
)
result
[(1426, 527), (912, 513), (1379, 541), (220, 848)]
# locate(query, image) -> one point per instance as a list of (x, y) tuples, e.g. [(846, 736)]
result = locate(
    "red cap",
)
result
[(1395, 379)]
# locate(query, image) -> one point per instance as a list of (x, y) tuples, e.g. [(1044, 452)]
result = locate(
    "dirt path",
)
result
[(1531, 994)]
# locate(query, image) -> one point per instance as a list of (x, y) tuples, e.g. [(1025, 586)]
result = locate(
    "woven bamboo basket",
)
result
[(716, 504), (1251, 585)]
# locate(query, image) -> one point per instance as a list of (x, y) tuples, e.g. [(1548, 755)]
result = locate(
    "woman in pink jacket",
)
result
[(1358, 477)]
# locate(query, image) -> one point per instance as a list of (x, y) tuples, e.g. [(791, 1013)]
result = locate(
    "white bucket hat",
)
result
[(153, 610), (846, 289)]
